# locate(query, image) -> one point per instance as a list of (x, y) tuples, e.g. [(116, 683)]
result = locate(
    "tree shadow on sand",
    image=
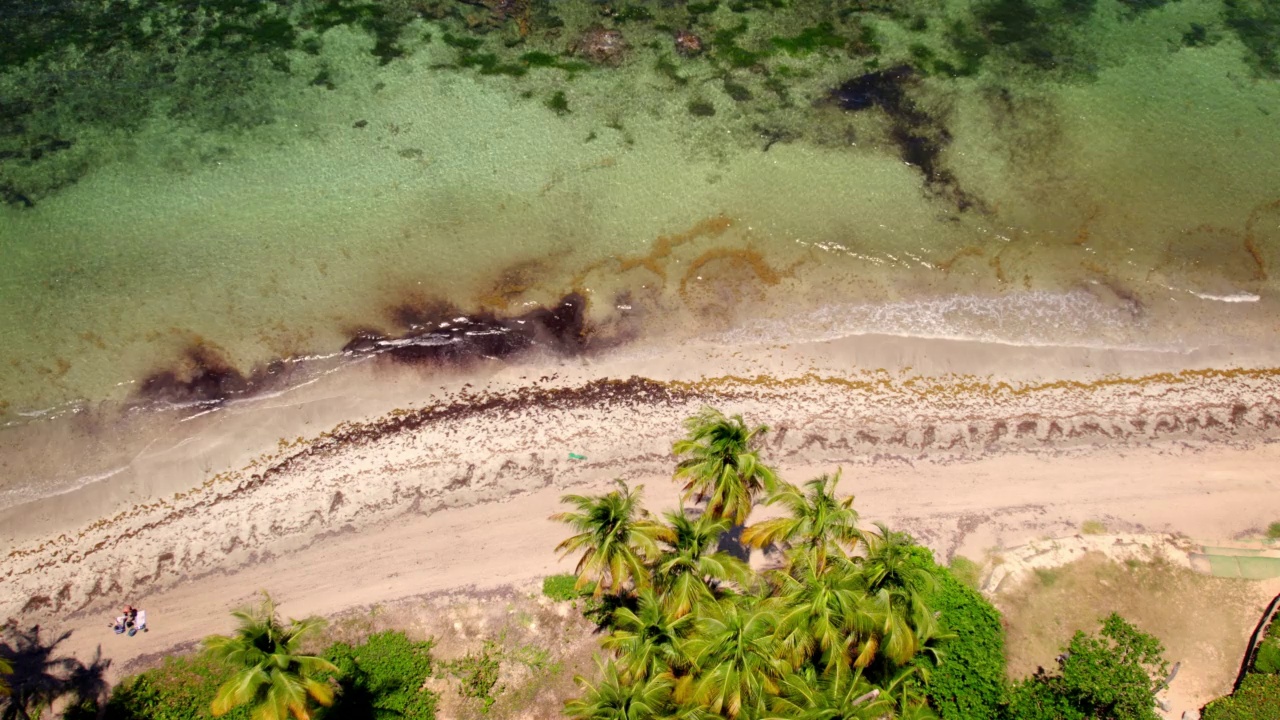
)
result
[(41, 677), (730, 542)]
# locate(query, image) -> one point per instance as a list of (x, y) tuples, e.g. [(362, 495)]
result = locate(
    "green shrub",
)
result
[(1108, 675), (1257, 699), (180, 689), (382, 678), (1273, 531), (1267, 661), (1037, 698), (969, 684), (477, 674), (560, 587), (966, 571), (1093, 527)]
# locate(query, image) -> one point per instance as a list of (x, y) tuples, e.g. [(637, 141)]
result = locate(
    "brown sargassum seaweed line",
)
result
[(1242, 402), (437, 334)]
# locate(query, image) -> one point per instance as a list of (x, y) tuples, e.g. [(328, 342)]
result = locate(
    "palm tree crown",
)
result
[(614, 535), (617, 698), (816, 519), (646, 639), (721, 464), (734, 660), (901, 584), (808, 696), (271, 674), (687, 567)]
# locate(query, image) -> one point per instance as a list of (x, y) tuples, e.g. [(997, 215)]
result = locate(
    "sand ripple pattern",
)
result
[(489, 447)]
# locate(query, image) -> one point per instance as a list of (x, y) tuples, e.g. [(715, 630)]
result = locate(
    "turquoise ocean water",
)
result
[(204, 190)]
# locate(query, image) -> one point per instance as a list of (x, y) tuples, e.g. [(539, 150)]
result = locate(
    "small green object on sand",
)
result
[(576, 456)]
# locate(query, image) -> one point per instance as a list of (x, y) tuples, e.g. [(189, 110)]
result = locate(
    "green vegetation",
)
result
[(724, 45), (1259, 695), (969, 682), (695, 631), (810, 40), (1257, 699), (477, 674), (1136, 7), (378, 679), (702, 8), (1111, 675), (1273, 531), (1267, 660), (1257, 24), (614, 535), (632, 13), (1044, 35), (560, 587), (721, 466), (271, 674), (701, 108), (851, 623), (966, 571), (558, 103), (1093, 527), (182, 688), (382, 678), (1047, 576)]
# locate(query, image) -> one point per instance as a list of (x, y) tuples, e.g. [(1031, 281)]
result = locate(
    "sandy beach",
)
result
[(385, 481)]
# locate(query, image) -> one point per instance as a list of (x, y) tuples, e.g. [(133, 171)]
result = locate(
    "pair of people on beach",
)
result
[(130, 621)]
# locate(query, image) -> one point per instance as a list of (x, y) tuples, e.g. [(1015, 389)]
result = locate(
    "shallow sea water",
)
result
[(263, 182)]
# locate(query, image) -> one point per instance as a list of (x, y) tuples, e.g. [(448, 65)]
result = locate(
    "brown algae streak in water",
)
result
[(439, 333), (663, 246), (204, 375), (751, 258), (1251, 238)]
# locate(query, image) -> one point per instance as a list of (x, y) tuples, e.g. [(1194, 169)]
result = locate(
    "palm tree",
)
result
[(270, 675), (807, 696), (615, 537), (721, 464), (616, 698), (900, 582), (827, 617), (893, 560), (905, 690), (816, 519), (686, 569), (734, 667), (646, 639)]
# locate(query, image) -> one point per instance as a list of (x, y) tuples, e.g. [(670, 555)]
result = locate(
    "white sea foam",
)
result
[(1236, 297), (21, 494), (1034, 318)]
